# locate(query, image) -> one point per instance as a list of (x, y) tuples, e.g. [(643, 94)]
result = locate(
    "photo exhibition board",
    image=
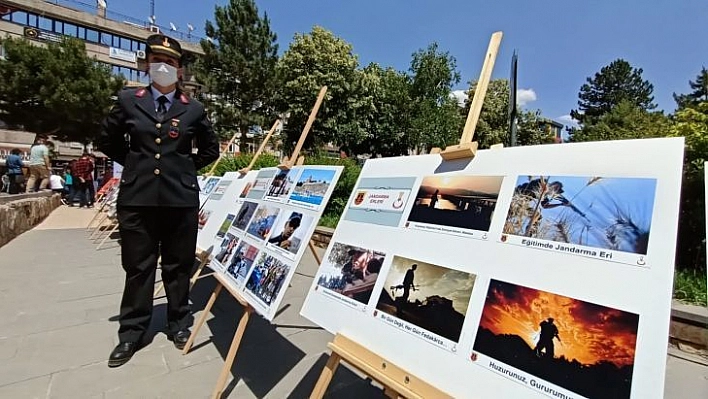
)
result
[(261, 231), (705, 165), (527, 272), (223, 192), (207, 184)]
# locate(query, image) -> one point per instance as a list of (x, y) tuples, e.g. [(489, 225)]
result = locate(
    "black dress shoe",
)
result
[(122, 353), (180, 338)]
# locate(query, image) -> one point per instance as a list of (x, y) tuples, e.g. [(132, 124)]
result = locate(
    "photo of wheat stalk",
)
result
[(599, 212)]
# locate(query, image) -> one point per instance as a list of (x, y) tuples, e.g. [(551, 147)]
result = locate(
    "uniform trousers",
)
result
[(146, 233)]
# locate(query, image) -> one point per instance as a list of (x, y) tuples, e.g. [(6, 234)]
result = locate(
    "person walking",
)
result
[(150, 132), (14, 165), (83, 180), (39, 165)]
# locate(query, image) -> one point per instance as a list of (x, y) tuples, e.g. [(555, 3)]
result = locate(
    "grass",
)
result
[(690, 287), (329, 220)]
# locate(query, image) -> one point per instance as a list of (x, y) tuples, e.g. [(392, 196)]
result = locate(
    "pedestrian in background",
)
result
[(14, 165), (39, 165)]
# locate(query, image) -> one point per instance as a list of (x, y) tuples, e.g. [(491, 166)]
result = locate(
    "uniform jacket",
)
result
[(159, 166)]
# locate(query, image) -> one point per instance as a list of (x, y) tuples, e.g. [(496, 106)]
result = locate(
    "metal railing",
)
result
[(122, 18)]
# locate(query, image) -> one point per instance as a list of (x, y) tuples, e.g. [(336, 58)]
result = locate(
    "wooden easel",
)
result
[(396, 381), (220, 284), (221, 155), (260, 149), (468, 148)]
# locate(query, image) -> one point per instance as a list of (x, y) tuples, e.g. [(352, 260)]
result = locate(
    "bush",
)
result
[(231, 164), (690, 287)]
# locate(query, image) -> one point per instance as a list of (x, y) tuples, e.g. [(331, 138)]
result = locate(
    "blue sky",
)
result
[(560, 42)]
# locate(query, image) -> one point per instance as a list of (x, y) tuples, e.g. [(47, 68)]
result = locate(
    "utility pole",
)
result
[(152, 9)]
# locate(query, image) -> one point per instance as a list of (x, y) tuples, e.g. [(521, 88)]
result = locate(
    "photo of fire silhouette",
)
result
[(580, 346)]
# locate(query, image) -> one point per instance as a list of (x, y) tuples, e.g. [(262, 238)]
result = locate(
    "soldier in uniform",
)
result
[(150, 131)]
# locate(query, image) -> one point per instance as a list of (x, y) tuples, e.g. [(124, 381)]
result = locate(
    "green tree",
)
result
[(386, 114), (692, 123), (531, 129), (493, 125), (314, 60), (238, 66), (699, 93), (54, 89), (615, 83), (435, 117), (624, 121)]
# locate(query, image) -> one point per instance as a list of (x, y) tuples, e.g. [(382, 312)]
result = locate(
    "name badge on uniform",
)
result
[(174, 128)]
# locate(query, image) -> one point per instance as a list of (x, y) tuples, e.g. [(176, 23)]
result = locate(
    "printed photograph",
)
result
[(204, 215), (465, 202), (218, 192), (432, 297), (226, 249), (599, 212), (210, 185), (262, 222), (225, 225), (351, 271), (282, 184), (580, 346), (267, 278), (246, 190), (312, 186), (244, 215), (240, 262), (262, 183), (290, 231)]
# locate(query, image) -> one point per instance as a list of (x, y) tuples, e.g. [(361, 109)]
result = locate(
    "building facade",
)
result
[(113, 39)]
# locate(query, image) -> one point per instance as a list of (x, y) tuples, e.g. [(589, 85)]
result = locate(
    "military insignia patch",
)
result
[(140, 93), (184, 99), (174, 128)]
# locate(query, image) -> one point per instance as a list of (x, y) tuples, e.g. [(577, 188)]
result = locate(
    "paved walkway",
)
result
[(59, 300)]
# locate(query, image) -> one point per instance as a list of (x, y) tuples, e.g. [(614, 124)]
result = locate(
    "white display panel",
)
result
[(527, 272), (262, 229)]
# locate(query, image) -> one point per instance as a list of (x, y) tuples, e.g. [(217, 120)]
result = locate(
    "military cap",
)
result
[(161, 44)]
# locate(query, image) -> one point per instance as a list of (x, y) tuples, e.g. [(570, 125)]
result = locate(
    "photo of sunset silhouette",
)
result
[(583, 347)]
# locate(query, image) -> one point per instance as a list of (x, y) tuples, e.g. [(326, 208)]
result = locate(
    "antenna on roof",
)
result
[(102, 3), (190, 27), (172, 26)]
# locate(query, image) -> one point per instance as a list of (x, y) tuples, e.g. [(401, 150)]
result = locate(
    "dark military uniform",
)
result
[(158, 200)]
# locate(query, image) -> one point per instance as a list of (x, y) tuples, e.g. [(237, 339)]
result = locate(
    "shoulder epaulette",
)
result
[(140, 93), (184, 99)]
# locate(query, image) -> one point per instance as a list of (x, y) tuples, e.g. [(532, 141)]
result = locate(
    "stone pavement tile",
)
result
[(96, 378), (53, 351), (189, 383), (35, 388), (685, 379), (65, 217), (203, 351), (9, 347)]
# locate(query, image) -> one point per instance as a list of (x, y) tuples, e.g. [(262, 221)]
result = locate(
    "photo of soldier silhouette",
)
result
[(432, 297), (522, 327)]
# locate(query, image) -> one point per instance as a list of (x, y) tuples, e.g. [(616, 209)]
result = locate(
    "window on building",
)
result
[(7, 17), (58, 27), (92, 35), (45, 23), (20, 17), (81, 33), (70, 30), (32, 20)]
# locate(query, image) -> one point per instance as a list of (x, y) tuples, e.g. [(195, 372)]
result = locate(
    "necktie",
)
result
[(161, 106)]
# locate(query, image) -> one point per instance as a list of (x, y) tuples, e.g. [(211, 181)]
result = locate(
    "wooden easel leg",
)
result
[(88, 227), (202, 317), (115, 227), (231, 356), (326, 376), (391, 393), (98, 228), (314, 252), (195, 277)]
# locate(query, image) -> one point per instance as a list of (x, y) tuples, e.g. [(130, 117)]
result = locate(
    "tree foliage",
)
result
[(314, 60), (54, 89), (615, 83), (387, 112), (435, 118), (493, 125), (699, 93), (238, 66), (624, 121)]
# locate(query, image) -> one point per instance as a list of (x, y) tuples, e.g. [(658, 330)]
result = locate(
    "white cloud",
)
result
[(567, 120), (460, 96), (525, 96)]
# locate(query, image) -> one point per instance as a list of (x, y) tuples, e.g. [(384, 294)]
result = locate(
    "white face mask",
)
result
[(163, 74)]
